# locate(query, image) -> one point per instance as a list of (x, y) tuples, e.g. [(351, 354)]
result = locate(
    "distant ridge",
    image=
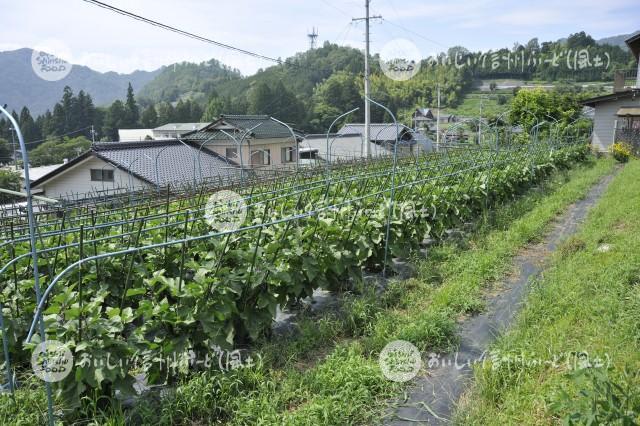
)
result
[(617, 40), (20, 86)]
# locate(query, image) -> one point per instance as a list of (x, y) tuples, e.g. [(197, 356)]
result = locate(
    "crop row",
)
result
[(168, 283)]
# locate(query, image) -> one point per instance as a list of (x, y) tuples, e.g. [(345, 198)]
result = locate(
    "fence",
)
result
[(144, 274)]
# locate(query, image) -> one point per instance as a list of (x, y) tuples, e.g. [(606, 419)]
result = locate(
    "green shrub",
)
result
[(9, 180), (599, 400)]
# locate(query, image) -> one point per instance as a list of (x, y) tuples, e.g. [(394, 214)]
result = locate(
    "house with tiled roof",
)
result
[(254, 141), (113, 167)]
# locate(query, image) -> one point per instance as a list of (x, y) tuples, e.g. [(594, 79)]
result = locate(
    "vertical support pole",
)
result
[(184, 249), (367, 89), (80, 298), (393, 187), (5, 348), (438, 123)]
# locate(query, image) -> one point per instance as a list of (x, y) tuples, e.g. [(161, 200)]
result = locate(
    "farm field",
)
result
[(470, 106), (349, 213), (192, 288)]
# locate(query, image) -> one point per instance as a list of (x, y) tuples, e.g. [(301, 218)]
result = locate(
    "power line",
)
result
[(181, 32), (335, 7), (413, 32), (389, 22), (57, 136)]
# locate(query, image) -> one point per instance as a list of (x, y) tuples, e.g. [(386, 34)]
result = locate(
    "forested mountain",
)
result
[(617, 40), (310, 89), (187, 80), (20, 86)]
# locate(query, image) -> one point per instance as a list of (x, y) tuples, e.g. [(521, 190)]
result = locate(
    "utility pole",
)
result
[(13, 145), (367, 105)]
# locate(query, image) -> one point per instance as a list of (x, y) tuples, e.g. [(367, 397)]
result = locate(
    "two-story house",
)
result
[(253, 141)]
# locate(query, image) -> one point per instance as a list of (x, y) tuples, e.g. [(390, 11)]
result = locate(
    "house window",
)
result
[(261, 157), (231, 153), (287, 154), (99, 175)]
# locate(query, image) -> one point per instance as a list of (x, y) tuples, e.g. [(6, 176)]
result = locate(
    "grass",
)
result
[(28, 406), (470, 106), (327, 373), (587, 302)]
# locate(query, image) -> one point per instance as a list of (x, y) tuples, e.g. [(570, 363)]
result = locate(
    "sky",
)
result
[(85, 34)]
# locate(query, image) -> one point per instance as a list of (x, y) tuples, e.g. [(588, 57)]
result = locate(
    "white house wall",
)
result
[(76, 181), (604, 121), (274, 145), (344, 148)]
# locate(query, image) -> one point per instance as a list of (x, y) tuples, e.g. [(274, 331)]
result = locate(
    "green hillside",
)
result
[(194, 81)]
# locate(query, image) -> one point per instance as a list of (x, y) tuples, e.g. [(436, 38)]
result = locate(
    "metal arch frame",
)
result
[(471, 120), (295, 140), (536, 128), (201, 237), (130, 172), (330, 155), (393, 184), (200, 160), (534, 116), (380, 131), (328, 152), (263, 150), (397, 135), (156, 163), (179, 241), (195, 184), (568, 126), (34, 254), (239, 145), (556, 123), (498, 119)]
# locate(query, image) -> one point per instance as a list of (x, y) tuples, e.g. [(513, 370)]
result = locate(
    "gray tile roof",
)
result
[(176, 161), (344, 147), (379, 132), (267, 128), (181, 127)]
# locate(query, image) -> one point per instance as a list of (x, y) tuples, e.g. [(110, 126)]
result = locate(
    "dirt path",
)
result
[(432, 398)]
